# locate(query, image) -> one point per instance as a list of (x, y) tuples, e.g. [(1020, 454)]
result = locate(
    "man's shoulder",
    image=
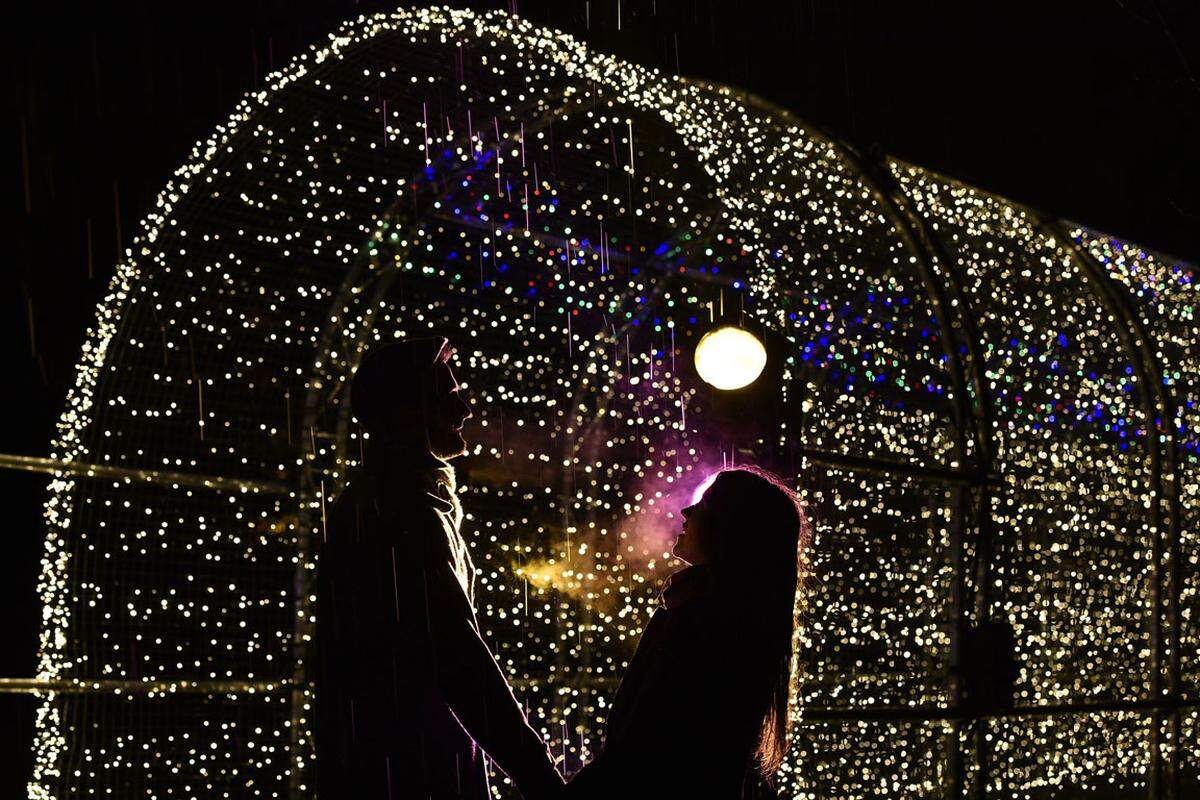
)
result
[(367, 489), (368, 507), (359, 495)]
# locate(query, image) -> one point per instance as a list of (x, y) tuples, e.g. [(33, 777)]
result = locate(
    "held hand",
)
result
[(547, 793), (539, 778), (548, 788)]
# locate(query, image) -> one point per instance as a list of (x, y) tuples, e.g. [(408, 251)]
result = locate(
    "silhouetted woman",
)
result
[(702, 711)]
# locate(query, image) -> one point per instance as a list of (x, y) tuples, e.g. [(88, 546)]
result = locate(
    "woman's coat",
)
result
[(687, 717)]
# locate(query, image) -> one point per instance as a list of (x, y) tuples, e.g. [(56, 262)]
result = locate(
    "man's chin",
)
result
[(451, 448)]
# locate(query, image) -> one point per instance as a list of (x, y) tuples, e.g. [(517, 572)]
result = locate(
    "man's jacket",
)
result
[(407, 692)]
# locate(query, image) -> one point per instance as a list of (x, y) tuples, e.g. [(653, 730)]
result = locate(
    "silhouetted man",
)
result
[(405, 685)]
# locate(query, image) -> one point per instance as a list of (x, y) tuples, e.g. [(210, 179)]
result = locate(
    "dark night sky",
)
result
[(1086, 110)]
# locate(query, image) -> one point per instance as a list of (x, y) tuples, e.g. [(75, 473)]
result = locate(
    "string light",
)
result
[(567, 219)]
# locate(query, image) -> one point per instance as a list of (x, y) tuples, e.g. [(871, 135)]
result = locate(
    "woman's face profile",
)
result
[(691, 545)]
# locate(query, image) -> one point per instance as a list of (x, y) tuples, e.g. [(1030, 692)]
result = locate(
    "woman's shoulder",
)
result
[(696, 623), (714, 620)]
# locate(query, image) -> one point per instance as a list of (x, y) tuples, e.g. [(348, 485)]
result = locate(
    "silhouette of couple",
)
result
[(408, 696)]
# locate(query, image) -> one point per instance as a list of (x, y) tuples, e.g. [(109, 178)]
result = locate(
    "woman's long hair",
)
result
[(758, 543)]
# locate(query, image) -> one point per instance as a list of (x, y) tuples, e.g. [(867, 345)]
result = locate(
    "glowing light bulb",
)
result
[(730, 358)]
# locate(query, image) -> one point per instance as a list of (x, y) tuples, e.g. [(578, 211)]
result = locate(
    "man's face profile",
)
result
[(448, 411)]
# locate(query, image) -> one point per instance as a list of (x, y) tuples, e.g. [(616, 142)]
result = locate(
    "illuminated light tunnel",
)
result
[(992, 416)]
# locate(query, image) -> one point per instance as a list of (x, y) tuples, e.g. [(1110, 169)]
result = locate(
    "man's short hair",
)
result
[(392, 375)]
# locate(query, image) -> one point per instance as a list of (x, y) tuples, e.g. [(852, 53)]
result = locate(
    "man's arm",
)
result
[(473, 683)]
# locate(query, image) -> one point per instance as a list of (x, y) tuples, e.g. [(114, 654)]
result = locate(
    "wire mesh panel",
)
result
[(1075, 518), (1097, 754), (178, 744), (868, 351), (574, 224), (181, 585), (880, 608), (1166, 304), (866, 758), (1189, 753)]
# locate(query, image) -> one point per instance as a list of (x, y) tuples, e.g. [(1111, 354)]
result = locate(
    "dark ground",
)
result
[(1087, 110)]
